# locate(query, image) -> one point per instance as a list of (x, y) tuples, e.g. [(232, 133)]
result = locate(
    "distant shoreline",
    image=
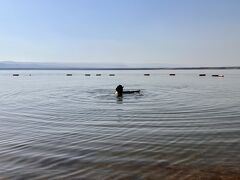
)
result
[(168, 68)]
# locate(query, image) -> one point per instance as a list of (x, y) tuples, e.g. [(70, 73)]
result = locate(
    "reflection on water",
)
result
[(119, 100), (53, 126)]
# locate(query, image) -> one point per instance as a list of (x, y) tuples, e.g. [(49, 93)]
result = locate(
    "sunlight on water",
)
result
[(58, 126)]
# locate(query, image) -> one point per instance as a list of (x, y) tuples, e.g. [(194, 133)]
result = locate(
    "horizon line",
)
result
[(130, 68)]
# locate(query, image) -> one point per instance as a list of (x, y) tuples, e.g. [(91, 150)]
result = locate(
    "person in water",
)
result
[(120, 92)]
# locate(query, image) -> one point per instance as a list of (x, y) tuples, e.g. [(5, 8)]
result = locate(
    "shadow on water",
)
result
[(119, 100)]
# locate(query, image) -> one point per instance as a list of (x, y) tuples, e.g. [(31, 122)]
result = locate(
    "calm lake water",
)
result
[(58, 127)]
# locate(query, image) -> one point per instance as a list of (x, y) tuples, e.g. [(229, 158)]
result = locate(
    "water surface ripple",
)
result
[(56, 127)]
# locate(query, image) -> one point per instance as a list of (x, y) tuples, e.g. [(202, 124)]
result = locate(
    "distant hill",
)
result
[(39, 65)]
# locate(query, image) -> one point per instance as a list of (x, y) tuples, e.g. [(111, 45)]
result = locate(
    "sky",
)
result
[(159, 32)]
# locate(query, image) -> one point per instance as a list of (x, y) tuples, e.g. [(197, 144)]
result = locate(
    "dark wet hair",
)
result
[(119, 90)]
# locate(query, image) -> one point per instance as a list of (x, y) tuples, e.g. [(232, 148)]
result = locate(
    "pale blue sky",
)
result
[(182, 32)]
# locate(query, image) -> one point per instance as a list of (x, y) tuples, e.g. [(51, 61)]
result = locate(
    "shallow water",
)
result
[(183, 127)]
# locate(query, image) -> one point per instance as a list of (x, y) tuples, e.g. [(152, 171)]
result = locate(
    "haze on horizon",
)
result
[(186, 32)]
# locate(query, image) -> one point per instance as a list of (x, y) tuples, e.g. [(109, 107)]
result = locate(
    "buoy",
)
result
[(217, 75)]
